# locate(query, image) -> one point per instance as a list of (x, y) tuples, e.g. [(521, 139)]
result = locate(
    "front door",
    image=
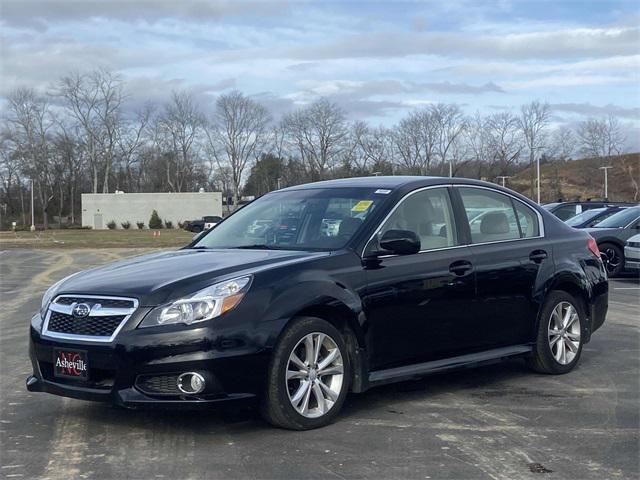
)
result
[(420, 306)]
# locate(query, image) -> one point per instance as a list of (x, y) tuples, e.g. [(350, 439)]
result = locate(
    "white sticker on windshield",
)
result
[(383, 191)]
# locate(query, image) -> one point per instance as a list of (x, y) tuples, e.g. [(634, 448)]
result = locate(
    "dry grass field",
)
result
[(95, 239)]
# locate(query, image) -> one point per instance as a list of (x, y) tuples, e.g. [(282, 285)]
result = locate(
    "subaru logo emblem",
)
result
[(81, 310)]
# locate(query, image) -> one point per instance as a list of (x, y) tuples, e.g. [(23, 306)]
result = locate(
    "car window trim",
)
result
[(541, 232)]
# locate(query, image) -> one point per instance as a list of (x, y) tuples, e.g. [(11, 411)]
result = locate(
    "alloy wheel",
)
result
[(315, 375), (612, 259), (564, 333)]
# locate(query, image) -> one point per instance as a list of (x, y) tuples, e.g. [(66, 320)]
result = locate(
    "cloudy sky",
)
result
[(377, 59)]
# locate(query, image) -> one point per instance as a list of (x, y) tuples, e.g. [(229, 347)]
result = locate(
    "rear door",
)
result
[(420, 307), (508, 252)]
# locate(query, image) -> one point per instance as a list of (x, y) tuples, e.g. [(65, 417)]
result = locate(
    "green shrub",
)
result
[(111, 225), (140, 225), (126, 225), (155, 222), (180, 224), (168, 224)]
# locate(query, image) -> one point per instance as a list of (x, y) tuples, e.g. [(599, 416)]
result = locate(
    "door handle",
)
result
[(537, 256), (460, 268)]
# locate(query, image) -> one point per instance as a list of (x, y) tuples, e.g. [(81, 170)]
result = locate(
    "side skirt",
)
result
[(408, 372)]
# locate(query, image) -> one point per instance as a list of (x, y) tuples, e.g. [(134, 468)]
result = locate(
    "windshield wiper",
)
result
[(259, 246)]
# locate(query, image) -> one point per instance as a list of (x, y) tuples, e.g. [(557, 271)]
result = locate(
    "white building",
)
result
[(98, 209)]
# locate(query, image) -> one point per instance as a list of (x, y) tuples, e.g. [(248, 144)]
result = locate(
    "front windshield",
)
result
[(584, 216), (620, 219), (306, 219)]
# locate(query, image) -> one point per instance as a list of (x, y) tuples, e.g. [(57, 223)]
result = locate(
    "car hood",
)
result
[(159, 277)]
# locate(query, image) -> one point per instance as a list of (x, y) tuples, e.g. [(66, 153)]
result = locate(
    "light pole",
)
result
[(538, 175), (450, 168), (606, 181), (33, 223), (503, 178)]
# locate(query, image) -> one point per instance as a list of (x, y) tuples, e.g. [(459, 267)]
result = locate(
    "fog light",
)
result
[(190, 382)]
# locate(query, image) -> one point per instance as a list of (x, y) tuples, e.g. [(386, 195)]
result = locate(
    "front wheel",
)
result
[(560, 333), (308, 376)]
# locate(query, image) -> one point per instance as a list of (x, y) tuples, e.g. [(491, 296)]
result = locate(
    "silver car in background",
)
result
[(632, 253)]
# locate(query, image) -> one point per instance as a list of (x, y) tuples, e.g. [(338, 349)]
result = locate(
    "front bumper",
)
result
[(234, 367)]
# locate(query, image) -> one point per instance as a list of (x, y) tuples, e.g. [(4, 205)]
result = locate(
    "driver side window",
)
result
[(428, 214)]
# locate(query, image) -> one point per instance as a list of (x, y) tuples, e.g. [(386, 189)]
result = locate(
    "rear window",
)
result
[(496, 217)]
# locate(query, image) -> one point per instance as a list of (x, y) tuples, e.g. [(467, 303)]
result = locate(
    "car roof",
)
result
[(390, 182)]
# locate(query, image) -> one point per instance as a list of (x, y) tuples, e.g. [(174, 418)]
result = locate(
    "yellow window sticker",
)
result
[(362, 206)]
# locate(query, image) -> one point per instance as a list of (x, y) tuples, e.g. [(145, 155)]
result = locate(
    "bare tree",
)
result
[(601, 137), (318, 134), (32, 122), (534, 120), (450, 124), (237, 134), (181, 123), (504, 140), (95, 100), (563, 144)]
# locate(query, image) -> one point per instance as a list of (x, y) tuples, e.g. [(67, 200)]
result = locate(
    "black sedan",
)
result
[(611, 235), (382, 279)]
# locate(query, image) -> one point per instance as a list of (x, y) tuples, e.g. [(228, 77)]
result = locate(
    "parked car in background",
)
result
[(591, 217), (632, 253), (611, 235), (403, 287), (566, 210), (205, 223)]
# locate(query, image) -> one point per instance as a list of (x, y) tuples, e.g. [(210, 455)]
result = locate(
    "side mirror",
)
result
[(400, 242)]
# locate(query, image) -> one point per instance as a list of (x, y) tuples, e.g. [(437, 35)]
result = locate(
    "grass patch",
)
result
[(94, 239)]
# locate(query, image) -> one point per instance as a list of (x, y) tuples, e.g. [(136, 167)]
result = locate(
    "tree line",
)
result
[(83, 137)]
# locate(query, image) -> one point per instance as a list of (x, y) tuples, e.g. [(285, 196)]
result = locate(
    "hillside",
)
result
[(573, 179)]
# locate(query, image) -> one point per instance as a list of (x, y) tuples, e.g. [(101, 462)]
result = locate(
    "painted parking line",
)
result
[(626, 288)]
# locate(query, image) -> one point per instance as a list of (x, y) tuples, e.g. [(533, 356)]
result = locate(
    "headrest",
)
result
[(349, 225), (494, 223)]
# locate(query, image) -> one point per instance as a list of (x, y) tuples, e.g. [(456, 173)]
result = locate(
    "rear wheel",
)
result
[(308, 376), (560, 333), (613, 258)]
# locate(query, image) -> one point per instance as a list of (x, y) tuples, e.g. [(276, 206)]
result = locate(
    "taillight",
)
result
[(593, 247)]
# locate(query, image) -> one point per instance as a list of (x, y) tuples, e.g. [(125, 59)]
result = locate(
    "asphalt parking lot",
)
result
[(497, 422)]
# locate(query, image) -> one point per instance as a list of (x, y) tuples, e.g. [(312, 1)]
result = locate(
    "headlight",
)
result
[(204, 305)]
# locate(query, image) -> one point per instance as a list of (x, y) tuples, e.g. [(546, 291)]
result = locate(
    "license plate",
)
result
[(70, 364)]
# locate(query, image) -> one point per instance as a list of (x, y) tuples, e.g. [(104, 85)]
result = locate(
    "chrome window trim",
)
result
[(541, 232), (67, 309)]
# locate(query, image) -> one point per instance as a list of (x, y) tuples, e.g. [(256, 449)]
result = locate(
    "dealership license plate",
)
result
[(70, 364)]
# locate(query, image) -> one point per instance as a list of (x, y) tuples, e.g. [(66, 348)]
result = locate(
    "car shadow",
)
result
[(246, 418)]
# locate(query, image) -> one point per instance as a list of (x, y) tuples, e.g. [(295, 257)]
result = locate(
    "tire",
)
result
[(614, 258), (547, 356), (283, 404)]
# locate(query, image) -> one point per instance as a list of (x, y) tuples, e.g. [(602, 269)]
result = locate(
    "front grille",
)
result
[(91, 326), (106, 315), (104, 302), (158, 384)]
